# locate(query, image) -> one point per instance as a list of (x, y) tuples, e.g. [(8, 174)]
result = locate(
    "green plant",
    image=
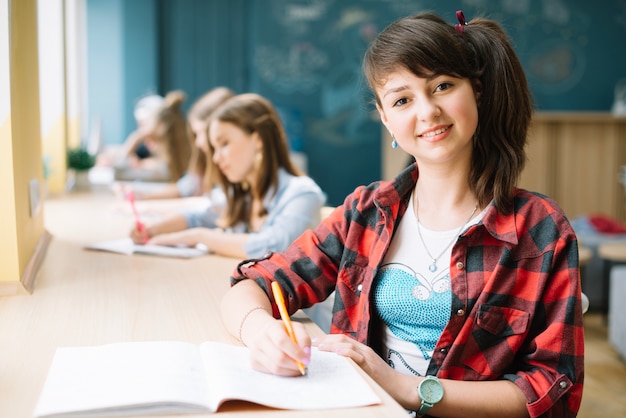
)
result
[(79, 159)]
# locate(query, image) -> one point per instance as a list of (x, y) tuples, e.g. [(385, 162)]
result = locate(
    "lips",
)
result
[(435, 132)]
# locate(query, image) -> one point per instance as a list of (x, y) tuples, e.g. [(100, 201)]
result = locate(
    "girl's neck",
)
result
[(443, 201), (449, 188)]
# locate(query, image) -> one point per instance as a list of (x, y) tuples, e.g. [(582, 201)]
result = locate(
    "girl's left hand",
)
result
[(401, 387), (361, 354)]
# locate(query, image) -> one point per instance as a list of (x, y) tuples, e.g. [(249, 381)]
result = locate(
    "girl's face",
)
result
[(199, 130), (234, 150), (431, 118)]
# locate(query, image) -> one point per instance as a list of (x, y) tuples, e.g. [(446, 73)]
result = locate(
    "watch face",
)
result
[(431, 391)]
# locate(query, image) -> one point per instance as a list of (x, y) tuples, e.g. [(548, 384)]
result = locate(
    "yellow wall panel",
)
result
[(21, 229), (55, 156), (9, 267)]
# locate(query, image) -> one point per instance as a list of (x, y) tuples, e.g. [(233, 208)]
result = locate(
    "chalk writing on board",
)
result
[(292, 69), (556, 66)]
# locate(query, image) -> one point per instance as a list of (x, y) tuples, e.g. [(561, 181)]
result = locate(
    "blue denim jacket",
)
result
[(290, 211)]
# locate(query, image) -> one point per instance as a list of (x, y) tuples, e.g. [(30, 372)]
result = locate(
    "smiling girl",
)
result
[(455, 290)]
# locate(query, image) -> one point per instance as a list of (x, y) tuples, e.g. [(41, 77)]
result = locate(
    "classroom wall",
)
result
[(140, 64), (105, 72), (21, 226), (152, 46), (306, 58)]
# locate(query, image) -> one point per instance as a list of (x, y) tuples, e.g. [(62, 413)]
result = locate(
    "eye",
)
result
[(443, 86), (400, 102)]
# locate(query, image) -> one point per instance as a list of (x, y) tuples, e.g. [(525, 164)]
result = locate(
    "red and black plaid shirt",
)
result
[(516, 302)]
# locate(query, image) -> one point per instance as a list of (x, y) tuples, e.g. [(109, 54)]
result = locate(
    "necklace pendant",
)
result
[(433, 267)]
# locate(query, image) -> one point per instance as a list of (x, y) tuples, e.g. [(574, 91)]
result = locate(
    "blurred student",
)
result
[(166, 137), (145, 112), (192, 183), (260, 201)]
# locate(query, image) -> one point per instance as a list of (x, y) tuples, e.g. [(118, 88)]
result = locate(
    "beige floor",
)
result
[(604, 394)]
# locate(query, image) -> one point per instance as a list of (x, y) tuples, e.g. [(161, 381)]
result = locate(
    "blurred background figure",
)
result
[(145, 113), (160, 148), (259, 201), (192, 182)]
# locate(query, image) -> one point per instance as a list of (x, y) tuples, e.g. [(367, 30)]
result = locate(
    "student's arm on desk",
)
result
[(222, 243), (170, 224), (246, 313), (498, 398)]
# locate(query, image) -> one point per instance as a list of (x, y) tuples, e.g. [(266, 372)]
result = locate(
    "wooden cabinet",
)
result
[(573, 157)]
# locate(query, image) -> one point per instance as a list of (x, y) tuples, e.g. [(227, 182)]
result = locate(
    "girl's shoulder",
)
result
[(540, 211), (289, 184), (526, 200), (386, 192)]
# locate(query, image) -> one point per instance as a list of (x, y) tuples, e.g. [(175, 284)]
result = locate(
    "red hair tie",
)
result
[(461, 17)]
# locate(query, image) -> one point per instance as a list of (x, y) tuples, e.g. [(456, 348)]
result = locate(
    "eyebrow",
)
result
[(395, 90), (405, 87)]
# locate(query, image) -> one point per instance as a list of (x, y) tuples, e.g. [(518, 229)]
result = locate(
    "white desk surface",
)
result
[(88, 298)]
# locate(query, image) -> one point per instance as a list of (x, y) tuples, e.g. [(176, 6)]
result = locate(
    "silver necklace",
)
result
[(433, 266)]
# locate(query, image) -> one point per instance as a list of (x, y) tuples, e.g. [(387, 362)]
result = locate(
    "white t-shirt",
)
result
[(413, 301)]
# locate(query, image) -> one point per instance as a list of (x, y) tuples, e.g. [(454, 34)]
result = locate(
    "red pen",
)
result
[(140, 226)]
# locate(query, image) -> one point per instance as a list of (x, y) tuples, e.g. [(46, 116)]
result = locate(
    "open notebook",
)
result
[(128, 247), (158, 377)]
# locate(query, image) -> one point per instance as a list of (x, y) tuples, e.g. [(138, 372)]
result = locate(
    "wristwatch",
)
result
[(431, 392)]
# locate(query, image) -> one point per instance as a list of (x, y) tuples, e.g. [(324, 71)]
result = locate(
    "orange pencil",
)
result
[(140, 226), (284, 315)]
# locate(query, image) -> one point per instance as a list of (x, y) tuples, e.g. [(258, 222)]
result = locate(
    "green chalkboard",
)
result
[(306, 55)]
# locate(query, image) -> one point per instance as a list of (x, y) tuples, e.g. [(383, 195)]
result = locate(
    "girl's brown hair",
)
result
[(201, 110), (172, 129), (252, 113), (481, 52)]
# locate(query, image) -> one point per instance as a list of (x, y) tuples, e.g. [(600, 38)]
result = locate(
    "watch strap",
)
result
[(424, 408)]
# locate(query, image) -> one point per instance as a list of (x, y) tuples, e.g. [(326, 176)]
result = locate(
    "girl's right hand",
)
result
[(273, 352), (140, 237)]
